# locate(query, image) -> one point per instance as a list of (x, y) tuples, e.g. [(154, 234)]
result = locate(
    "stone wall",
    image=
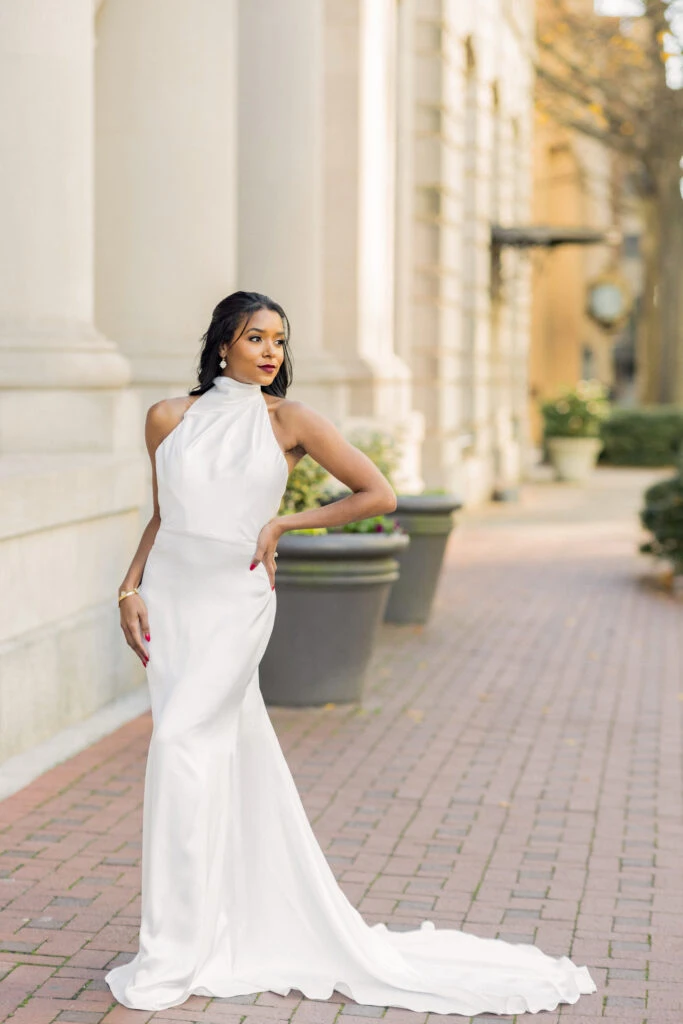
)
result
[(345, 156)]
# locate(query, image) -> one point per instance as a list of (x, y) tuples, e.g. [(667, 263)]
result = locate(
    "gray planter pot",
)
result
[(428, 519), (331, 593)]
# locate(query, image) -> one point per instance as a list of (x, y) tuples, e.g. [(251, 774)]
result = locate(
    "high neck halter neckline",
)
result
[(232, 388)]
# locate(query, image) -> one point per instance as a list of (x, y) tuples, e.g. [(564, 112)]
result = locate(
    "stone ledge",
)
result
[(17, 772)]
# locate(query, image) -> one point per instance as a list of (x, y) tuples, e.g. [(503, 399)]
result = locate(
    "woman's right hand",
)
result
[(135, 625)]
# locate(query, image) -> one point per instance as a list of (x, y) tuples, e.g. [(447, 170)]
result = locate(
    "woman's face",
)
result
[(258, 353)]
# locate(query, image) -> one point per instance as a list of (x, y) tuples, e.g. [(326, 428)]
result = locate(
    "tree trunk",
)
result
[(669, 294), (660, 348), (648, 354)]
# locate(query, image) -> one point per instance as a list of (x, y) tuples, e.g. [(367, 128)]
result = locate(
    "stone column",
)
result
[(360, 161), (317, 201), (71, 468), (405, 179), (282, 175), (166, 74), (60, 380), (432, 250)]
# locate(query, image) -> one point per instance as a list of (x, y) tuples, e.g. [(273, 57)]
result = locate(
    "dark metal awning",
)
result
[(541, 235)]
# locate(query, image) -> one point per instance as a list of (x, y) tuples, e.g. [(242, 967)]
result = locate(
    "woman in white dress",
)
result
[(237, 896)]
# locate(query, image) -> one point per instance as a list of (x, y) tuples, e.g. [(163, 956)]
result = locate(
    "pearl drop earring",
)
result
[(222, 364)]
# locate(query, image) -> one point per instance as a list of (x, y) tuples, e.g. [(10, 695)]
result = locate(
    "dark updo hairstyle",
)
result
[(231, 316)]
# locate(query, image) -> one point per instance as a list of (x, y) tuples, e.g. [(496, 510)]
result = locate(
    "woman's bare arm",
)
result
[(320, 438), (156, 426), (162, 417), (306, 429)]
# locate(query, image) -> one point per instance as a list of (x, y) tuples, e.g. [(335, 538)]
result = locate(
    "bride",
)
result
[(237, 896)]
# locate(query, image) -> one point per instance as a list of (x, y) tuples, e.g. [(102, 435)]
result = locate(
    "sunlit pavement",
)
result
[(514, 771)]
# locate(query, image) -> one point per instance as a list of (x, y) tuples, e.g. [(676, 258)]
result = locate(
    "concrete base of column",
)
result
[(64, 389)]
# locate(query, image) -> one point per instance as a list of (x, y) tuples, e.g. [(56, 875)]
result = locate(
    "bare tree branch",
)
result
[(606, 78)]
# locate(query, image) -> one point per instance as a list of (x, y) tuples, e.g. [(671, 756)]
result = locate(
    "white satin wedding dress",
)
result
[(237, 896)]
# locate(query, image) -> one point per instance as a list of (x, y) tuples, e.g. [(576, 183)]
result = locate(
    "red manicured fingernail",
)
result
[(252, 565), (273, 587), (147, 636)]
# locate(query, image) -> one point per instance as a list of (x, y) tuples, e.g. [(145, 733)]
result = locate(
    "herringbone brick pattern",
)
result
[(514, 771)]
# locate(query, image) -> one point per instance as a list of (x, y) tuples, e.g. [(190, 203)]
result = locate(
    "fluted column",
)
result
[(60, 380), (281, 193), (360, 202), (317, 140), (166, 179)]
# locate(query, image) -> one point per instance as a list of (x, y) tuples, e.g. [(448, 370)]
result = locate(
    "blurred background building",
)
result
[(580, 185), (348, 157), (578, 181)]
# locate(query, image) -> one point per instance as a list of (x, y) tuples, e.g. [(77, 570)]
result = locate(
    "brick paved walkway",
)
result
[(514, 771)]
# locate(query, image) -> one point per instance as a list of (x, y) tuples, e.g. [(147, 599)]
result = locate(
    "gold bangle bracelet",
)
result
[(128, 593)]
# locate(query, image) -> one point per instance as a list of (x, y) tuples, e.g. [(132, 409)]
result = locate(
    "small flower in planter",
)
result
[(374, 524)]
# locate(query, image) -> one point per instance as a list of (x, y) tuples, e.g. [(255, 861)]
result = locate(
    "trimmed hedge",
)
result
[(647, 436), (662, 515)]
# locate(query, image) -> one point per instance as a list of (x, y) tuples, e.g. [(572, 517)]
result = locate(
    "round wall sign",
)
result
[(609, 300)]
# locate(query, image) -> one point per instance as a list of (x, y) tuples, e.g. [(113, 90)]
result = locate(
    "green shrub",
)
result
[(576, 412), (309, 485), (305, 486), (381, 448), (663, 517), (648, 436), (310, 529)]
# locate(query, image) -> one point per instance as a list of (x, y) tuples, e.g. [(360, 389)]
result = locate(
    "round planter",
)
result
[(573, 458), (428, 520), (332, 590)]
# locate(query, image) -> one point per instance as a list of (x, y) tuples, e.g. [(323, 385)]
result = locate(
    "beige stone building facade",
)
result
[(466, 139), (348, 157), (581, 187), (576, 186), (573, 189)]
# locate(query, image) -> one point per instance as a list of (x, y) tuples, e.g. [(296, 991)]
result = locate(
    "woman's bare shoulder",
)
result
[(293, 410), (163, 416), (305, 426), (291, 416), (314, 433), (296, 416)]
